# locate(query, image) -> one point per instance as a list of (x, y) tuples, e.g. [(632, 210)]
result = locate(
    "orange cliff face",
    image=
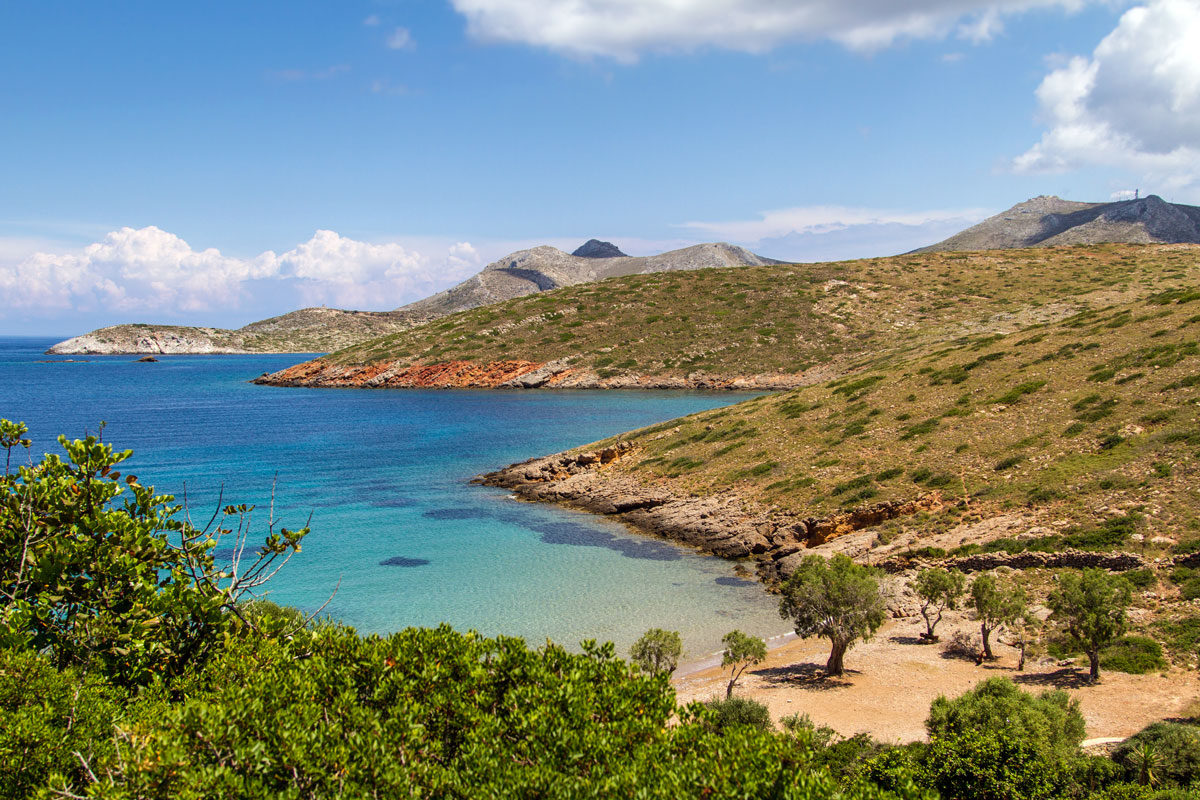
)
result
[(394, 375)]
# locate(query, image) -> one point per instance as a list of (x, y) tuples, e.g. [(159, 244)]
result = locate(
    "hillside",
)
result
[(775, 326), (309, 330), (1050, 221), (545, 268), (320, 330), (1042, 438)]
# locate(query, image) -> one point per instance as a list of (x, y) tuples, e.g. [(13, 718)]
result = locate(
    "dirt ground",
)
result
[(891, 680)]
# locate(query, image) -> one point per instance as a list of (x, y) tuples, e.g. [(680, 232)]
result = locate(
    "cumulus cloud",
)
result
[(149, 269), (623, 29), (1134, 104)]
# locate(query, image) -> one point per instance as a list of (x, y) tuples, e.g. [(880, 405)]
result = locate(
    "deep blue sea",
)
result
[(385, 476)]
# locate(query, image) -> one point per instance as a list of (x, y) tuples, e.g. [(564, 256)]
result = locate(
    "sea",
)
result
[(400, 536)]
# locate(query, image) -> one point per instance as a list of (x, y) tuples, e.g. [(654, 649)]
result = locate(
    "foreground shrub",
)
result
[(45, 717), (1176, 747), (733, 711)]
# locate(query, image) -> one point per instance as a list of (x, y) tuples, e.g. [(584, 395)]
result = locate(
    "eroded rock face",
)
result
[(514, 374), (723, 524), (982, 562)]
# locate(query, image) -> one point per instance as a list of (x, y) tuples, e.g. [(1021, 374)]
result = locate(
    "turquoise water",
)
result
[(384, 475)]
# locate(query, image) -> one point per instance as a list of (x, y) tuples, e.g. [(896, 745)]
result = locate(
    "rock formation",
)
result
[(594, 248)]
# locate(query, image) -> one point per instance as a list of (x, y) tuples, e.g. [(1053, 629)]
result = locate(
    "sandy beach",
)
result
[(891, 680)]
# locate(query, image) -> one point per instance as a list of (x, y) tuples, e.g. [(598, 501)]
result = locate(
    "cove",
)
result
[(384, 476)]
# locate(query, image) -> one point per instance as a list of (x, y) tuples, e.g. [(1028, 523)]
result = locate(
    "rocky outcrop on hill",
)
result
[(515, 374), (594, 248), (723, 525), (541, 269), (982, 562), (1047, 221)]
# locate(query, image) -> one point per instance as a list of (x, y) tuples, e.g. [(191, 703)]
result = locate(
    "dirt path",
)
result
[(891, 681)]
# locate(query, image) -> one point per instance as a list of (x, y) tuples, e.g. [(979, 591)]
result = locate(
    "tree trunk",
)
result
[(986, 633), (1021, 661), (1094, 665), (834, 665)]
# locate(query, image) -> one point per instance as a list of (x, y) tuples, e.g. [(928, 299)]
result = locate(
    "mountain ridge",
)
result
[(313, 330), (1048, 221)]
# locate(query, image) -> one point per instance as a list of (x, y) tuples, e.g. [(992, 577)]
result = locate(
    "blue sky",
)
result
[(220, 162)]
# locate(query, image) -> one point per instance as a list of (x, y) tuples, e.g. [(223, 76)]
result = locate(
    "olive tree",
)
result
[(995, 604), (836, 599), (1091, 606), (742, 651), (657, 651), (939, 590)]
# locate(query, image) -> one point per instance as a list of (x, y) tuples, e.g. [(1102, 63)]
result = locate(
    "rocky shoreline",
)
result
[(773, 541), (724, 525), (514, 374)]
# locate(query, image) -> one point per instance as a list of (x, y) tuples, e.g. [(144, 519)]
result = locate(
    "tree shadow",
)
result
[(803, 676), (1065, 678), (901, 639)]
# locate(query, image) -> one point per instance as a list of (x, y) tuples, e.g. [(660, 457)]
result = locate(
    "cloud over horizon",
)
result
[(812, 233), (625, 29), (151, 270), (1134, 104)]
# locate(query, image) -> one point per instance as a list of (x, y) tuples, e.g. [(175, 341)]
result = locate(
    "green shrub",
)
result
[(45, 717), (1141, 578), (1177, 745), (738, 711), (1136, 655)]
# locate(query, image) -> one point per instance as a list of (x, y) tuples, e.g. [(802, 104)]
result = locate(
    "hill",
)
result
[(1063, 428), (774, 326), (1050, 221), (542, 269), (320, 330), (309, 330)]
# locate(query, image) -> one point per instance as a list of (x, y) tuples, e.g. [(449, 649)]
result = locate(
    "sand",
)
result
[(891, 680)]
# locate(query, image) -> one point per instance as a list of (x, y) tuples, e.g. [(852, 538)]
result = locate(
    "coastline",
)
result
[(511, 374)]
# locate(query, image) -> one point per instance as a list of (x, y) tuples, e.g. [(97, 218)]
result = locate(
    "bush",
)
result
[(1177, 745), (992, 764), (1135, 655), (738, 711), (1141, 578), (45, 717)]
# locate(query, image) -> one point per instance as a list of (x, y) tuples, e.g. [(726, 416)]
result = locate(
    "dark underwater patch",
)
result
[(404, 561)]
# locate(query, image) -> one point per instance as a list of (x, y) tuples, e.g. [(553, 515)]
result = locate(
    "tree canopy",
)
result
[(836, 599), (1091, 606), (657, 651)]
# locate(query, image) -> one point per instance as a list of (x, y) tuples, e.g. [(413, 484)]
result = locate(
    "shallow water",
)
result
[(384, 475)]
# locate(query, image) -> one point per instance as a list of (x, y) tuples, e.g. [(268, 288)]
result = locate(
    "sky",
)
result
[(221, 162)]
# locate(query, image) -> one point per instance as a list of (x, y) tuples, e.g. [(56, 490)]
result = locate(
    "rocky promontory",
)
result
[(514, 374), (722, 524)]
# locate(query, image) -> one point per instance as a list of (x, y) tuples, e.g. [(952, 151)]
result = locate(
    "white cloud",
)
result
[(401, 39), (826, 219), (623, 29), (1134, 104), (371, 21), (149, 269), (819, 233)]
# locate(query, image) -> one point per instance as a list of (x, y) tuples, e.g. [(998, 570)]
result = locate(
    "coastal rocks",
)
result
[(982, 562), (719, 524), (513, 374), (146, 360)]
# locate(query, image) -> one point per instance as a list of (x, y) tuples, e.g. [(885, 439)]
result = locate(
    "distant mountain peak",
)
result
[(594, 248), (1047, 220)]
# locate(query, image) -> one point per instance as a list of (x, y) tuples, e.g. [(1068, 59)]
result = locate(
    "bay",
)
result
[(384, 475)]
